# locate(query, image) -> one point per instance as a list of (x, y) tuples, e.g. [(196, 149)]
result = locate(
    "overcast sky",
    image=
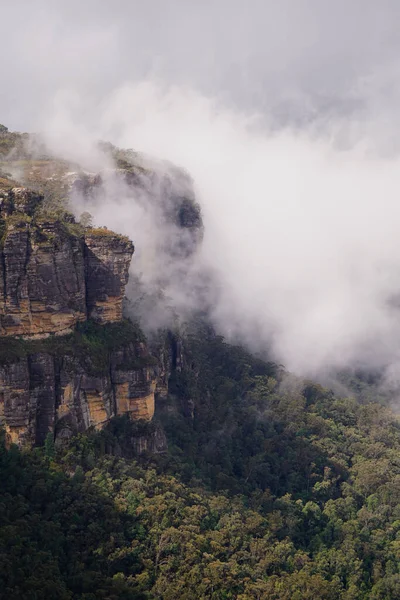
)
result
[(295, 58)]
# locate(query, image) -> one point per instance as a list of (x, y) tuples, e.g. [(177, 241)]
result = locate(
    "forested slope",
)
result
[(271, 488)]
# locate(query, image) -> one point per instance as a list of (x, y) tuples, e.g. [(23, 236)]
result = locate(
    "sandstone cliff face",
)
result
[(107, 260), (55, 278), (42, 283), (51, 279), (43, 393), (54, 275)]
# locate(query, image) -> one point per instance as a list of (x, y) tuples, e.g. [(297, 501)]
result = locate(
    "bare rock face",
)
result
[(56, 278), (45, 393), (107, 261), (42, 283), (52, 278)]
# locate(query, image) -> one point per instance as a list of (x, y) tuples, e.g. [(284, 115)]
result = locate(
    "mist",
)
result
[(290, 137), (302, 235)]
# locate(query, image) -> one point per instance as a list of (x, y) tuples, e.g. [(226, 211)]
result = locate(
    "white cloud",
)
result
[(299, 185), (303, 236)]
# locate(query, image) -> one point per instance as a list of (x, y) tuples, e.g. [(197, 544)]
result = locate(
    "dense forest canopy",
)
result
[(274, 488)]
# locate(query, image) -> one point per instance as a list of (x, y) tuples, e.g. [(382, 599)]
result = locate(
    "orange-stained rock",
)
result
[(137, 407), (44, 393), (97, 411), (51, 277)]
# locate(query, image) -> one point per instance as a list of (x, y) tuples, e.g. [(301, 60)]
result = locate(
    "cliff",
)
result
[(68, 359), (54, 275), (70, 383)]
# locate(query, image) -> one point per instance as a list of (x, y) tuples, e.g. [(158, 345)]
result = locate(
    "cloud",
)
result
[(303, 235), (286, 118), (298, 59)]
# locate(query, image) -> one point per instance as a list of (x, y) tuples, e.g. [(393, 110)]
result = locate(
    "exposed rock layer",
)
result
[(44, 393), (52, 278), (55, 275)]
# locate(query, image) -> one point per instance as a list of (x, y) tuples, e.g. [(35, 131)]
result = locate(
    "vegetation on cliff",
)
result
[(90, 343), (274, 488)]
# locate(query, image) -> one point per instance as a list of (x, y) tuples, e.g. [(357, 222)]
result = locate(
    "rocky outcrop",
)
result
[(53, 276), (42, 283), (107, 261), (43, 393), (58, 277)]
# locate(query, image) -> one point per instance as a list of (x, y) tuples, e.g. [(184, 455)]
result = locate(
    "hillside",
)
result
[(172, 466), (275, 491)]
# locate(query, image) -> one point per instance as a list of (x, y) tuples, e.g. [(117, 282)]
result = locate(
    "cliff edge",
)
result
[(68, 358), (55, 275)]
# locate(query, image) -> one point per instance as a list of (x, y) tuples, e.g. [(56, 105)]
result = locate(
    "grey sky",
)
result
[(297, 58)]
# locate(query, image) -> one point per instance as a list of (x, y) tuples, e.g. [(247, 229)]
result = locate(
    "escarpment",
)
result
[(107, 261), (68, 358), (53, 276), (71, 383)]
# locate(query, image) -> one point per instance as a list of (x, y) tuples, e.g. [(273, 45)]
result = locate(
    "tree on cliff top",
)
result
[(86, 219)]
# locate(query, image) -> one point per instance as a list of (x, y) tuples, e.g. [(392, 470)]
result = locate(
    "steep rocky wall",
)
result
[(42, 283), (43, 393), (52, 277), (57, 277), (55, 274), (107, 260)]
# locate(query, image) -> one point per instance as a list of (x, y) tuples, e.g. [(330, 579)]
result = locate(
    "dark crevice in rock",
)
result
[(113, 392), (57, 382), (56, 275), (174, 349), (86, 277), (4, 273)]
